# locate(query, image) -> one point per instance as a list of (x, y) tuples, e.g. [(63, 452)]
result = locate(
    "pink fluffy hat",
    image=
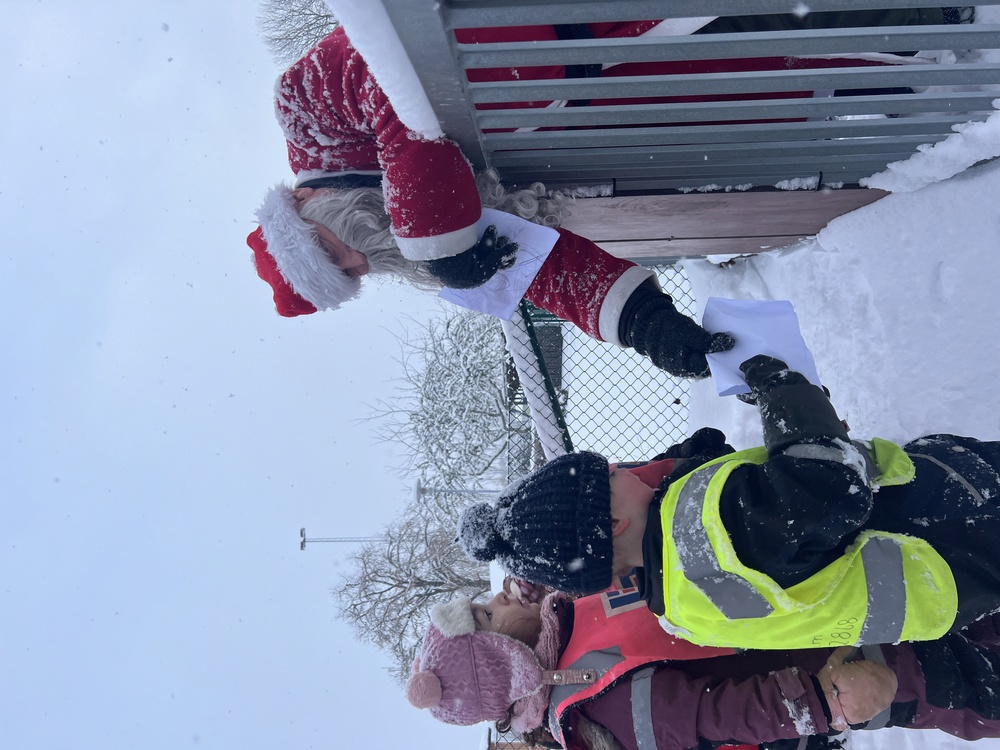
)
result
[(467, 676)]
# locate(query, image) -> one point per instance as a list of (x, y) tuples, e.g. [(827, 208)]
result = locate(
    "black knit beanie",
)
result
[(553, 527)]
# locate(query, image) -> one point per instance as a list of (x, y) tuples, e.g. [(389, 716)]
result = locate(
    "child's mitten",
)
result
[(792, 409)]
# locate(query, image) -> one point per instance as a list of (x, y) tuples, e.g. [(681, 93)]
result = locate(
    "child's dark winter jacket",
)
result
[(744, 548)]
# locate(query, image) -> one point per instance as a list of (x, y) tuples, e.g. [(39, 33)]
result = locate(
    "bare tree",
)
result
[(395, 582), (450, 410), (292, 27)]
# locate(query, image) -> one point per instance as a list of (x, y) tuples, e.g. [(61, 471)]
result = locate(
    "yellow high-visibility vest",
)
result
[(885, 588)]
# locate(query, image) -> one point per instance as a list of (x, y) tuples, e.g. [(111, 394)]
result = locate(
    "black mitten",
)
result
[(477, 264), (792, 409), (764, 373), (673, 342), (704, 442), (703, 446)]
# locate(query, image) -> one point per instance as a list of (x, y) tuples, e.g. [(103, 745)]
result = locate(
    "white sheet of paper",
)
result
[(759, 327), (501, 294)]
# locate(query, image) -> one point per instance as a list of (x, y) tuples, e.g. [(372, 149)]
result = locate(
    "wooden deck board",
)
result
[(655, 226)]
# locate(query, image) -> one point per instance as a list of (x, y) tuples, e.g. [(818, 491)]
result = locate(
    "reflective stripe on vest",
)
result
[(883, 563), (642, 709), (733, 595), (886, 587)]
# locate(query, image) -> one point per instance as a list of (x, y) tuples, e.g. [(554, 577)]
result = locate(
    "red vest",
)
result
[(614, 633)]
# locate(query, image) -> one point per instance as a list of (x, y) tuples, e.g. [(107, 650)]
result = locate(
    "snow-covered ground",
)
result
[(898, 304)]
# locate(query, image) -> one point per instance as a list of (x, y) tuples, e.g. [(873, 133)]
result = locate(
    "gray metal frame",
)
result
[(662, 146)]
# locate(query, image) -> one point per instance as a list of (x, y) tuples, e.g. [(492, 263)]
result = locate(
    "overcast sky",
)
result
[(165, 433)]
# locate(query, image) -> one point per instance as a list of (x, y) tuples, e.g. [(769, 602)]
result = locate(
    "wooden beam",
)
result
[(651, 252), (664, 226)]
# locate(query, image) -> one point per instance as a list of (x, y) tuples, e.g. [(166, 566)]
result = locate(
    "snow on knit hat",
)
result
[(289, 257), (467, 676), (552, 527)]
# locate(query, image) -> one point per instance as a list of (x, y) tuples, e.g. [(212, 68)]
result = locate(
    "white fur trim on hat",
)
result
[(300, 258), (454, 618)]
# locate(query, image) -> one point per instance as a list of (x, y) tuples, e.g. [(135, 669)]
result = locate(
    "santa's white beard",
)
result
[(357, 216)]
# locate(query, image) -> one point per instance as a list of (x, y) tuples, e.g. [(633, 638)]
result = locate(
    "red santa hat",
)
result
[(289, 258)]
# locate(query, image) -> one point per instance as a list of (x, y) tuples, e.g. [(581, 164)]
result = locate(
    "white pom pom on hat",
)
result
[(454, 618)]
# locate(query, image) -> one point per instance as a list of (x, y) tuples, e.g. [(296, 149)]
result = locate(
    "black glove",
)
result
[(792, 409), (703, 446), (477, 264), (707, 441), (673, 342), (764, 373)]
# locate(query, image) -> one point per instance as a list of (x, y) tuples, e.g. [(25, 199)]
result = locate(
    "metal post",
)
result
[(419, 490), (350, 539)]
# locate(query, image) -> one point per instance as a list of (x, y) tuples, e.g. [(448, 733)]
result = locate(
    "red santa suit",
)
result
[(338, 121)]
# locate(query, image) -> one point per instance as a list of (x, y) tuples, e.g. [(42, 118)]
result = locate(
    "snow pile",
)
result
[(798, 183), (897, 303), (971, 143)]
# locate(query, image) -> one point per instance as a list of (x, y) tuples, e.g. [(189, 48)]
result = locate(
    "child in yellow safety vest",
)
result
[(810, 540)]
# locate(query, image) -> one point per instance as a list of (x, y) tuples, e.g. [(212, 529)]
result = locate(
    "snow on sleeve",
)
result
[(373, 35), (972, 142)]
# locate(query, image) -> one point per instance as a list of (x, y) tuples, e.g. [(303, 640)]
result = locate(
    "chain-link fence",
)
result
[(504, 741), (612, 400)]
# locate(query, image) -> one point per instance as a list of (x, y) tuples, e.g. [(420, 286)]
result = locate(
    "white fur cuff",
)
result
[(614, 301)]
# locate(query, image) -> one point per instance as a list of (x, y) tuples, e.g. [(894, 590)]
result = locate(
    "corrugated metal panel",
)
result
[(962, 103), (738, 82), (724, 46), (742, 133), (461, 14)]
